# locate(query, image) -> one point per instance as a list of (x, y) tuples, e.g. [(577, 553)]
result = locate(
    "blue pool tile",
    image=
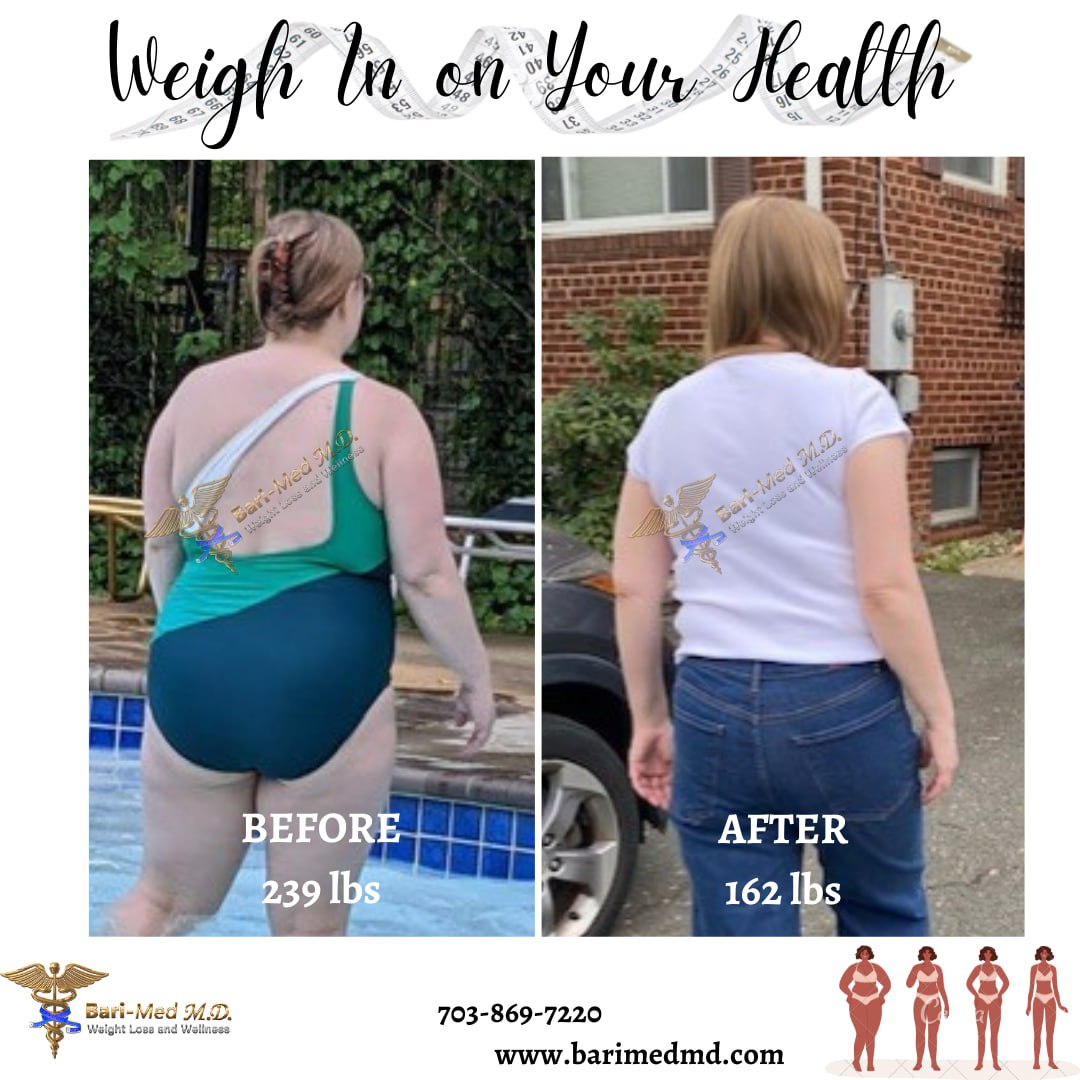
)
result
[(464, 858), (466, 821), (131, 711), (404, 850), (377, 851), (435, 817), (408, 806), (524, 866), (495, 862), (130, 739), (103, 708), (433, 853), (524, 831), (103, 737), (497, 825)]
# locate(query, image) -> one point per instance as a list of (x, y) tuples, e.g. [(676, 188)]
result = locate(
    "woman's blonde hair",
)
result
[(302, 268), (777, 265)]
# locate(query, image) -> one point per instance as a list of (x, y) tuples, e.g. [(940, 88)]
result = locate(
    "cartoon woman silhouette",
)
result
[(988, 1000), (931, 1002), (1047, 1001), (859, 984)]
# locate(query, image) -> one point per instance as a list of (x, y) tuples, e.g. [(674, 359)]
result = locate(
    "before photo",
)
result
[(312, 552)]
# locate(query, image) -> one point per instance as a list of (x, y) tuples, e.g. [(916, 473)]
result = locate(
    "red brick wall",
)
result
[(948, 239)]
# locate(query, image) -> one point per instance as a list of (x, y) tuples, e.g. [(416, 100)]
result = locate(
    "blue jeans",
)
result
[(755, 737)]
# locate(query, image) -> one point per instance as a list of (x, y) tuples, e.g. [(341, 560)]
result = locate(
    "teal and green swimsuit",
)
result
[(272, 668)]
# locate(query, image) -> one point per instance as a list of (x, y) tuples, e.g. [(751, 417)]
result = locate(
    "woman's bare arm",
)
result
[(640, 570), (164, 554), (892, 597), (423, 563), (1004, 981), (845, 980), (886, 986)]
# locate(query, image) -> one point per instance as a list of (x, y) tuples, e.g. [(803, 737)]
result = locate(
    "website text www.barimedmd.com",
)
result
[(672, 1054)]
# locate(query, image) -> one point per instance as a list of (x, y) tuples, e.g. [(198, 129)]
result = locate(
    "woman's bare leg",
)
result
[(920, 1033), (1036, 1021), (193, 833), (356, 780), (1050, 1012), (860, 1036), (995, 1023), (933, 1026), (980, 1024)]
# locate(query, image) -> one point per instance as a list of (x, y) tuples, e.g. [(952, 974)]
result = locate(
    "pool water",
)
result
[(414, 902)]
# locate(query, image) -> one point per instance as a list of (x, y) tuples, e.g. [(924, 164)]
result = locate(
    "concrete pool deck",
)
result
[(429, 760)]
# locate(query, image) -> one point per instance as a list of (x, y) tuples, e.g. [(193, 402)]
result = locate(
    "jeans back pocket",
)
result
[(863, 766)]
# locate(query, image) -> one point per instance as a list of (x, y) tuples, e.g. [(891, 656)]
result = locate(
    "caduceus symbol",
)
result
[(680, 519), (54, 1008), (197, 518)]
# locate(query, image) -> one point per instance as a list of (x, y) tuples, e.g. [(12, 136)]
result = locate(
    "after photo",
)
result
[(312, 548), (782, 546)]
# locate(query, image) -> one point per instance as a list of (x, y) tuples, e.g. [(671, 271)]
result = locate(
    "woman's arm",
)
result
[(1004, 981), (164, 554), (845, 981), (913, 975), (1031, 988), (424, 565), (941, 987), (640, 569), (886, 986), (1057, 994), (892, 597), (972, 979)]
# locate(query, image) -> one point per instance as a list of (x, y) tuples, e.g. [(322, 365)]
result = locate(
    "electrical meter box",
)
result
[(892, 324), (907, 394)]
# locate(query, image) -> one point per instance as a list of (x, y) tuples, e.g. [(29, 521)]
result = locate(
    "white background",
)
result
[(353, 1004)]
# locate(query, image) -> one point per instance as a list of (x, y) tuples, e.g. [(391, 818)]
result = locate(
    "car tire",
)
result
[(589, 834)]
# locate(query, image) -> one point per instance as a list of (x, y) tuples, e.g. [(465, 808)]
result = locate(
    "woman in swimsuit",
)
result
[(988, 1000), (1043, 988), (931, 1002), (859, 984), (269, 669)]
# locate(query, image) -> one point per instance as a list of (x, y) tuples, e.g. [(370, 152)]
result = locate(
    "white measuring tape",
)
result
[(522, 51)]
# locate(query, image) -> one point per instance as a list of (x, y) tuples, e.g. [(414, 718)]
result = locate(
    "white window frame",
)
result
[(963, 514), (663, 221), (999, 172)]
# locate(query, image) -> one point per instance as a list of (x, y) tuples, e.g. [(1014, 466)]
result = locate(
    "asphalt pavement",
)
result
[(975, 876)]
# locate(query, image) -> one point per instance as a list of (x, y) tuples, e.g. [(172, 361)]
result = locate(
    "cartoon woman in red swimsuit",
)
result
[(1044, 989), (931, 1002), (859, 984), (988, 1000)]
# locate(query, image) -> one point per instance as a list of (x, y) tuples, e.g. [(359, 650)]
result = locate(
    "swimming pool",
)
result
[(414, 901)]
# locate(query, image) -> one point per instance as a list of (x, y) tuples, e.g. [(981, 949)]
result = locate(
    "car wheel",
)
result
[(589, 831)]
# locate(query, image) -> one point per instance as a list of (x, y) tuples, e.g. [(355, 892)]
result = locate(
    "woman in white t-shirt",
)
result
[(777, 482)]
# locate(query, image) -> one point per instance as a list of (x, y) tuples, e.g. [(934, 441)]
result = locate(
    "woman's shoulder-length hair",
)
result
[(777, 265)]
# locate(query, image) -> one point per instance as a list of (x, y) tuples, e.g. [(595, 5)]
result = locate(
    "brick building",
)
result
[(616, 227)]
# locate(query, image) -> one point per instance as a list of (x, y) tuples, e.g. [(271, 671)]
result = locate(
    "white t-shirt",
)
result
[(774, 431)]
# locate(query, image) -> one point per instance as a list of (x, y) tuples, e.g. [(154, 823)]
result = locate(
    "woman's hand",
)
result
[(477, 704), (939, 750), (650, 763)]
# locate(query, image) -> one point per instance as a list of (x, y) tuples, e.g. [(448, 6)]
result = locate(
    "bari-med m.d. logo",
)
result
[(54, 993)]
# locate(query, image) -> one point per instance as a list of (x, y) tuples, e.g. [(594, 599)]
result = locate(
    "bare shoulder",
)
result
[(388, 406)]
